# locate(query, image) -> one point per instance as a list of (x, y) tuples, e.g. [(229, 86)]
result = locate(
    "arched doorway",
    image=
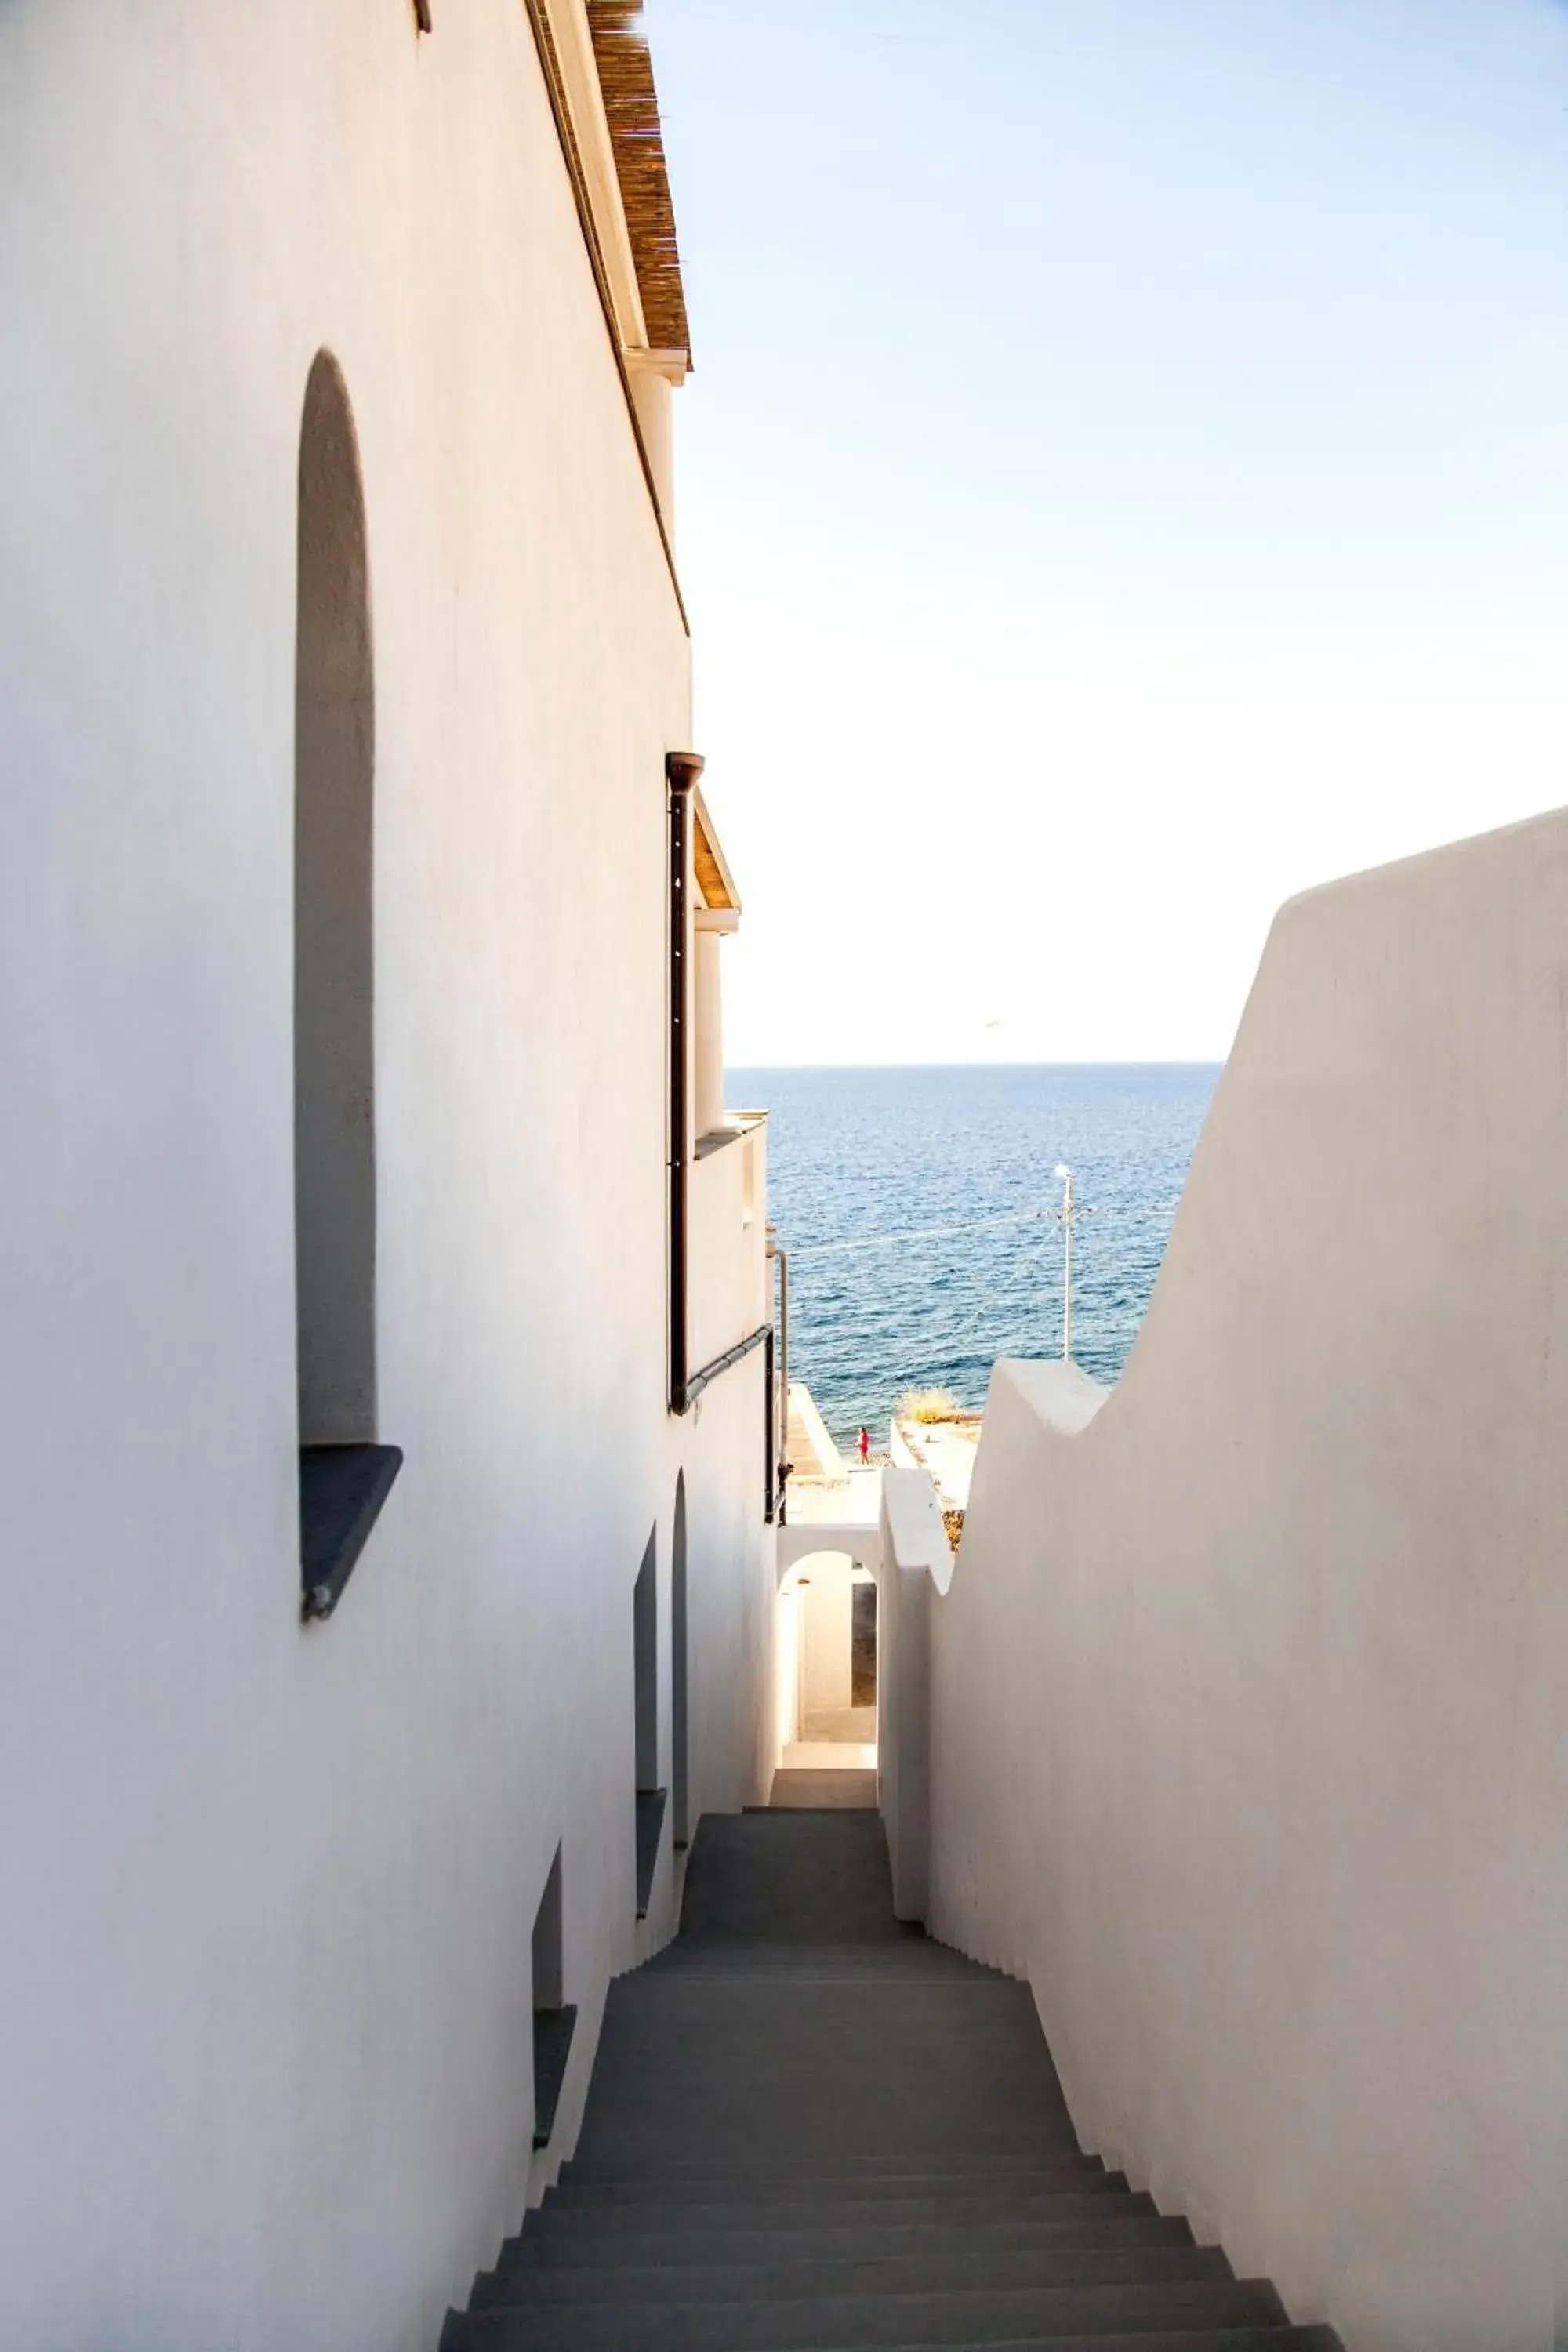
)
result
[(826, 1701)]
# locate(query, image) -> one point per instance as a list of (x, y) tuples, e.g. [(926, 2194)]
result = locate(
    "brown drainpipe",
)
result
[(778, 1380), (786, 1464), (682, 770), (770, 1433)]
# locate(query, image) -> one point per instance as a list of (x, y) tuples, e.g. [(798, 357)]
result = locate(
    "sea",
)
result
[(920, 1212)]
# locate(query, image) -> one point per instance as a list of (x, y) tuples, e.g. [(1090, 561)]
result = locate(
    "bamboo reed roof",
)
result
[(636, 137), (709, 864)]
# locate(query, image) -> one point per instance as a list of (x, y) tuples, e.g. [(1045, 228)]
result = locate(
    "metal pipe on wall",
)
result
[(781, 1395), (682, 770), (770, 1429)]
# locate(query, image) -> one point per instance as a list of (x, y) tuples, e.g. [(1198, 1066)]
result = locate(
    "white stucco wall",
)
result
[(914, 1571), (264, 2066), (826, 1638), (786, 1670), (708, 1026), (729, 1276), (1248, 1696)]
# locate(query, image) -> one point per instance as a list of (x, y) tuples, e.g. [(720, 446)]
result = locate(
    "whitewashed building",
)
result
[(387, 1415), (364, 1142)]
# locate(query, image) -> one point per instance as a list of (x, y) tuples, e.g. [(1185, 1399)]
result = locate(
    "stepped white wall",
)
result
[(264, 2073), (1249, 1698)]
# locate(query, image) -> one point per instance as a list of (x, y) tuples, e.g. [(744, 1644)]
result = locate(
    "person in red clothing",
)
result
[(865, 1448)]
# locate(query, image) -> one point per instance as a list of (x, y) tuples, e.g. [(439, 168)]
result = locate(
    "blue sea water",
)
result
[(917, 1207)]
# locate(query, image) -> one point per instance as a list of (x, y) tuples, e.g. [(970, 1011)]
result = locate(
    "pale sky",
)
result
[(1124, 481)]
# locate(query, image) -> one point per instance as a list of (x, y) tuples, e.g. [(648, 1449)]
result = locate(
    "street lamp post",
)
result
[(1068, 1216)]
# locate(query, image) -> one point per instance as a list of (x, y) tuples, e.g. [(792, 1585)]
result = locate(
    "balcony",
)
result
[(728, 1287)]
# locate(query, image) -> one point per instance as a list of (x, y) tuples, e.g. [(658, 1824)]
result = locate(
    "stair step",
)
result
[(804, 2184), (650, 1990), (803, 2161), (657, 1988), (926, 2273), (1265, 2338), (678, 2155), (894, 2162), (810, 2130), (967, 2318), (545, 2249), (883, 2011), (1103, 2197), (932, 1963), (824, 1948), (636, 2148)]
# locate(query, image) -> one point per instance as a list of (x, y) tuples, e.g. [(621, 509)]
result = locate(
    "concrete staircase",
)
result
[(810, 2127)]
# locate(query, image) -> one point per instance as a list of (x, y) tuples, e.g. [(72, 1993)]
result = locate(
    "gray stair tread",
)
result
[(840, 2150), (812, 2129), (924, 2272), (806, 2187), (716, 2086), (791, 1878), (887, 2165), (656, 1992), (649, 2007), (1064, 2205), (642, 2154), (979, 2317), (548, 2249), (1267, 2338), (916, 1959)]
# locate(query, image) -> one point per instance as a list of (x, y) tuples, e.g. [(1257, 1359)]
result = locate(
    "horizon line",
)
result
[(1141, 1062)]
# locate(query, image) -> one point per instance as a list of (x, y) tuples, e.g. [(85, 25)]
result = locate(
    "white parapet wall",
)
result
[(1249, 1700), (914, 1570)]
